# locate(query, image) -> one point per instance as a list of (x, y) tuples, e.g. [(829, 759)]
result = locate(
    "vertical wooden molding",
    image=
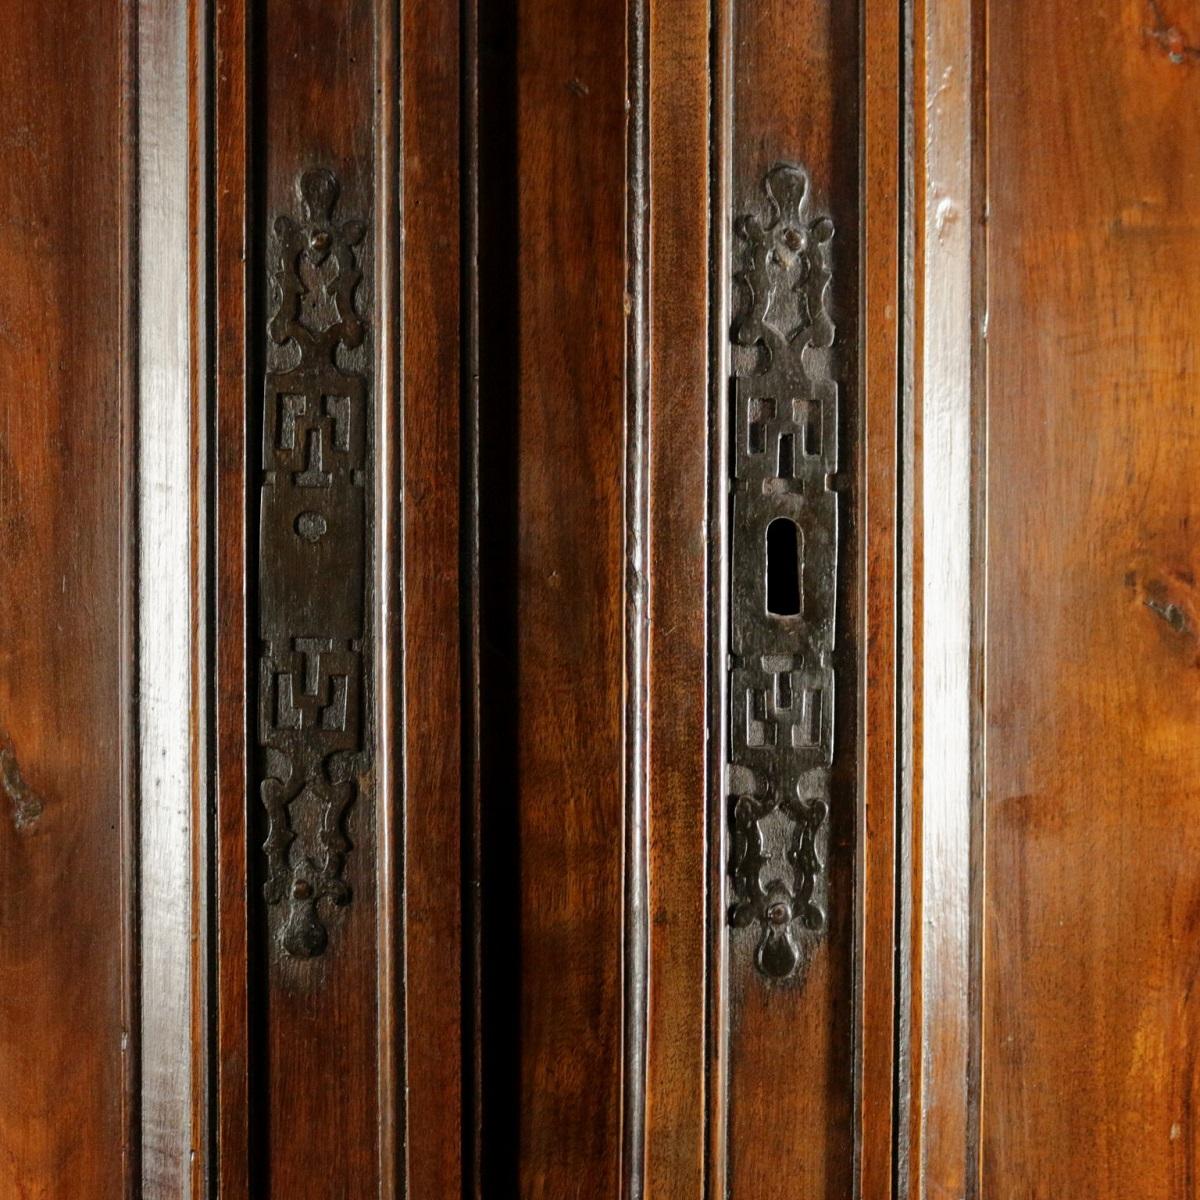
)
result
[(637, 602), (879, 663), (200, 343), (129, 837), (230, 199), (170, 610), (720, 212), (980, 404), (471, 608), (676, 268), (425, 552), (907, 1075), (944, 600), (389, 608), (559, 388)]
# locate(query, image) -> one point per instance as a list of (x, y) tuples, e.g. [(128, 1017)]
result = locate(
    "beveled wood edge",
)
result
[(171, 603), (471, 599), (201, 352), (636, 604), (425, 546), (229, 205), (389, 608), (979, 545), (678, 103), (164, 728), (878, 666), (129, 402), (720, 232), (941, 884)]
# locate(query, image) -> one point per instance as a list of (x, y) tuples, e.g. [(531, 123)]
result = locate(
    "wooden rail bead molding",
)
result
[(783, 585), (315, 531)]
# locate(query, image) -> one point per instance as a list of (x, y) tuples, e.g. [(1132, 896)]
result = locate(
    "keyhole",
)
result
[(783, 568)]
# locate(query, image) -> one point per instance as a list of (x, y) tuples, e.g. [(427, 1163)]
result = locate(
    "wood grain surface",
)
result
[(534, 990), (552, 403), (68, 970), (318, 1077), (941, 608), (1092, 885), (429, 831), (313, 107), (678, 845), (791, 1118), (878, 505)]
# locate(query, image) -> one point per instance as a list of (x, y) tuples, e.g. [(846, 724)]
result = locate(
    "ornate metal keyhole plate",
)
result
[(313, 555), (781, 675)]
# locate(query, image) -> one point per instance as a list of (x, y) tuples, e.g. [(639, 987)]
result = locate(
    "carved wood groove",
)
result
[(314, 670), (782, 611)]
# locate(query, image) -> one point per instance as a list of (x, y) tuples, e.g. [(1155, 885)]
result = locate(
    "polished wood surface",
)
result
[(783, 1138), (172, 500), (537, 986), (1091, 878), (424, 1155), (878, 514), (311, 105), (678, 846), (553, 402), (69, 1121), (231, 1140), (940, 611), (343, 1071)]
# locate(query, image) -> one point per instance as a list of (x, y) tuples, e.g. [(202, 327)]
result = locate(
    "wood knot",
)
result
[(1168, 36), (1168, 599), (26, 806)]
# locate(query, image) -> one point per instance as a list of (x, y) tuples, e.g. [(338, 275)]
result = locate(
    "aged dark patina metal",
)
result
[(783, 577), (313, 558)]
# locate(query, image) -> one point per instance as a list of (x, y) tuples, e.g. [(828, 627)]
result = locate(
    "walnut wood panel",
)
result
[(811, 1012), (941, 607), (172, 635), (552, 520), (1092, 846), (236, 1113), (233, 850), (411, 367), (428, 1155), (337, 450), (68, 1023), (678, 166), (878, 506), (312, 108)]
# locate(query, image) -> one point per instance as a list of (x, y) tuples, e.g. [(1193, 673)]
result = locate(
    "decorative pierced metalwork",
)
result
[(783, 574), (313, 556)]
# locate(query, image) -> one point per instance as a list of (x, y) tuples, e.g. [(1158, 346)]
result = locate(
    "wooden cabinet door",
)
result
[(598, 600), (1083, 765)]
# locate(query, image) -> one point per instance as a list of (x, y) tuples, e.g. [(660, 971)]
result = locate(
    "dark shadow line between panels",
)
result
[(499, 351), (469, 606)]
